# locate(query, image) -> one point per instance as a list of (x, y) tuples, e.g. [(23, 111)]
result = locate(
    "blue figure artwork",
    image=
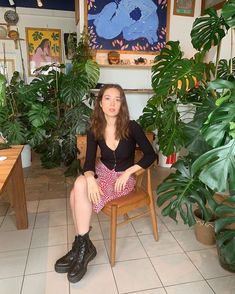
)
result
[(131, 25)]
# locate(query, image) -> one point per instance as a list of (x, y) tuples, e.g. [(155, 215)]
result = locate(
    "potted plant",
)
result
[(15, 125), (55, 107), (207, 90)]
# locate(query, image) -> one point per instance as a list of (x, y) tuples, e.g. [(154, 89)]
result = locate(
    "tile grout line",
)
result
[(148, 255), (26, 262)]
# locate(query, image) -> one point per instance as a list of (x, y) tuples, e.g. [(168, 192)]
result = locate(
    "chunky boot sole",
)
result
[(62, 269), (78, 277)]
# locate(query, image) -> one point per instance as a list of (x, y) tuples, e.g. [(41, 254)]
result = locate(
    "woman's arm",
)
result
[(149, 155), (90, 159), (147, 159), (89, 169)]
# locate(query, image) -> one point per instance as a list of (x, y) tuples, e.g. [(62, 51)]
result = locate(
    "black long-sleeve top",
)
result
[(123, 156)]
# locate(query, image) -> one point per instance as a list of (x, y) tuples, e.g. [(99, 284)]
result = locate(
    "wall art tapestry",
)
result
[(126, 25)]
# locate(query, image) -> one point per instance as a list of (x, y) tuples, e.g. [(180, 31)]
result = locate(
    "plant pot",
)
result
[(204, 231), (26, 156), (223, 257), (167, 161)]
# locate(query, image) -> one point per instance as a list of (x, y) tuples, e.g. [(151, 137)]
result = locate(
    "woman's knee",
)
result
[(80, 183)]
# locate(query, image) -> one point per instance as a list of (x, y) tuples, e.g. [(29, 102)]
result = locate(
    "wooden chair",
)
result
[(140, 197)]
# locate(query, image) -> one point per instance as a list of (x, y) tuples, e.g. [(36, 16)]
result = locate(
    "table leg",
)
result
[(18, 196)]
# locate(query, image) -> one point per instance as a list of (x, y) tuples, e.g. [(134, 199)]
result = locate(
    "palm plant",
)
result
[(208, 90)]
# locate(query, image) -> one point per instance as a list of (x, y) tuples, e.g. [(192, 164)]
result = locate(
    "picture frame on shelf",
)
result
[(77, 12), (184, 7), (132, 29), (216, 4), (7, 67), (43, 47)]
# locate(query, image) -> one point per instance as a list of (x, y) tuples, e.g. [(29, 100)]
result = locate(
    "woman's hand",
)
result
[(121, 181), (93, 190)]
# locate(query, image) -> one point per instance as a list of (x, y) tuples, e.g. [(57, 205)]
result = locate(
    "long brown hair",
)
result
[(98, 121)]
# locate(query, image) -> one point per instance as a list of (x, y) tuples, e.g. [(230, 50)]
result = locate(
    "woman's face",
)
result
[(111, 102)]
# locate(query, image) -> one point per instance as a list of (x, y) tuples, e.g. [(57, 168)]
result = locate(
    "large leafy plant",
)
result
[(208, 91), (57, 106)]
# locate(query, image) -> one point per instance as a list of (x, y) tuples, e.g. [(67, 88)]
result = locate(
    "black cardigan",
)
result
[(123, 156)]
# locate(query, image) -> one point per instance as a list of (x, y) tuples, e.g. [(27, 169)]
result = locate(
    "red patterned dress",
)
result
[(106, 180)]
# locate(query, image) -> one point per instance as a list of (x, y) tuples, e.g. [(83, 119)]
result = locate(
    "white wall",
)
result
[(41, 18), (179, 29)]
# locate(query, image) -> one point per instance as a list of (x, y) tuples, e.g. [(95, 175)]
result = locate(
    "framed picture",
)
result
[(184, 7), (7, 68), (43, 47), (217, 4), (77, 17), (70, 43), (127, 26)]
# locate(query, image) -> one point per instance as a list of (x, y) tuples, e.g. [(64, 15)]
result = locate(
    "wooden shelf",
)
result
[(145, 66), (141, 91), (14, 40)]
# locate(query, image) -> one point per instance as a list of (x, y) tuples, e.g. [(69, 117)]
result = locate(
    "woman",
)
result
[(111, 177), (42, 53)]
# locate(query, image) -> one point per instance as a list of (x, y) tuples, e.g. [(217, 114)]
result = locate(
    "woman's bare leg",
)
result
[(81, 206)]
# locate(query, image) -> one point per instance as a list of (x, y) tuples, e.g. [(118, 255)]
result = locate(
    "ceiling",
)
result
[(47, 4)]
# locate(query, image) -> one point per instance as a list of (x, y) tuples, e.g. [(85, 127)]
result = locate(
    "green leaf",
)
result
[(15, 132), (39, 115), (208, 30), (210, 165), (228, 13), (182, 190)]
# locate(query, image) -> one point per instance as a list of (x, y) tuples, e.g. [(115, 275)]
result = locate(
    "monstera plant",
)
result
[(208, 91), (57, 106)]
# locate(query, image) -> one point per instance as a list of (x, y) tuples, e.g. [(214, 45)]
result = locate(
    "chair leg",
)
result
[(154, 220), (113, 234)]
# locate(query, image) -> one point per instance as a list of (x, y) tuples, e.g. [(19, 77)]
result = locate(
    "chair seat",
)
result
[(127, 203), (130, 199)]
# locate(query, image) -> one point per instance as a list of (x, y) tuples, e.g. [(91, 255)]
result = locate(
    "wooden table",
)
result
[(12, 179)]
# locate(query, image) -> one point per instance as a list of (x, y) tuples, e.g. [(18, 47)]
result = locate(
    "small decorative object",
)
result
[(13, 34), (113, 57), (11, 17), (140, 60), (3, 140), (3, 32)]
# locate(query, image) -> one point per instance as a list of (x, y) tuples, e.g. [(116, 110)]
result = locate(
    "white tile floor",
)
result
[(175, 264)]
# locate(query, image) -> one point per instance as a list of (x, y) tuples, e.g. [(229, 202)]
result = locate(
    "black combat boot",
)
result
[(63, 264), (86, 253)]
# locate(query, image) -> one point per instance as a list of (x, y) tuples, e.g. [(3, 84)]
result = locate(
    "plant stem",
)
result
[(231, 51), (217, 59)]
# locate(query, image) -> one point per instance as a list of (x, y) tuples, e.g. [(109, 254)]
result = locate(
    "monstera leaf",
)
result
[(170, 134), (216, 167), (224, 69), (180, 191), (15, 132), (165, 62), (225, 237), (172, 74), (150, 120), (208, 30), (216, 129), (228, 13)]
